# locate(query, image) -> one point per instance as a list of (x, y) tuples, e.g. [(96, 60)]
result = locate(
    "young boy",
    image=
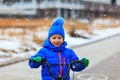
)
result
[(55, 52)]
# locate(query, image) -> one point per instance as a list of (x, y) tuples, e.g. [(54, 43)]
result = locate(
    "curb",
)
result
[(13, 60), (95, 41)]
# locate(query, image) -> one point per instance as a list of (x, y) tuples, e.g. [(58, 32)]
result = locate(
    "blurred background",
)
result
[(69, 9), (24, 23)]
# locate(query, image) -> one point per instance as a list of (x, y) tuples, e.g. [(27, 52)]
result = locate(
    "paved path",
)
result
[(109, 67), (98, 53), (19, 71), (104, 58)]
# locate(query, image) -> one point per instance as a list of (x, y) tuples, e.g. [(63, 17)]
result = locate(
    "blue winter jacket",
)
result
[(55, 56)]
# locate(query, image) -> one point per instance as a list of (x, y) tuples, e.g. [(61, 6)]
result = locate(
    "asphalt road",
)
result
[(104, 58), (103, 55), (109, 67)]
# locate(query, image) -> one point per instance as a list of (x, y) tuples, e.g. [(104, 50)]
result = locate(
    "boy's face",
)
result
[(56, 40)]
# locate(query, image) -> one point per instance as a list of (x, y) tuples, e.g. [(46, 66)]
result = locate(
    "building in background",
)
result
[(65, 8)]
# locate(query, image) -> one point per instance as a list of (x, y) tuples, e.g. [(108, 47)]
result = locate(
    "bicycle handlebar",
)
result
[(59, 77)]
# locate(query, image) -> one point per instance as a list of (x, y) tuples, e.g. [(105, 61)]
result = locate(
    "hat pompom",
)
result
[(57, 27), (58, 22)]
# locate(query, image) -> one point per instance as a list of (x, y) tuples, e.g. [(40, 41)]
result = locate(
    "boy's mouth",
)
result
[(56, 44)]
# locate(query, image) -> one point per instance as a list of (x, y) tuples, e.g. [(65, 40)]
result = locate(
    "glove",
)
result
[(37, 59), (85, 62)]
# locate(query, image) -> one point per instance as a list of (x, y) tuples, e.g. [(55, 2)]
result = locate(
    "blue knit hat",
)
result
[(57, 27)]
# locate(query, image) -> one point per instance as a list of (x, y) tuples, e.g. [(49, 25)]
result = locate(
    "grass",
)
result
[(33, 26)]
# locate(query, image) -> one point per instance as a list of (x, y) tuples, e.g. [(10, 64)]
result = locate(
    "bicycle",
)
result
[(76, 62)]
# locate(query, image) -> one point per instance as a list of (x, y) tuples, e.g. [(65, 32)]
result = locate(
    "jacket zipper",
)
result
[(60, 62)]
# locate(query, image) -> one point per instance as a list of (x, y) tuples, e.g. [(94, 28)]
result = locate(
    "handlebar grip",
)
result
[(43, 60)]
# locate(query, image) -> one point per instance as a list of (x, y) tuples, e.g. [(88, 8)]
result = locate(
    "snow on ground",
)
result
[(13, 50), (98, 34)]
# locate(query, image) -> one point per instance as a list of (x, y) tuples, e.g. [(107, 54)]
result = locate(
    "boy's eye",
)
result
[(56, 38), (53, 38), (59, 37)]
